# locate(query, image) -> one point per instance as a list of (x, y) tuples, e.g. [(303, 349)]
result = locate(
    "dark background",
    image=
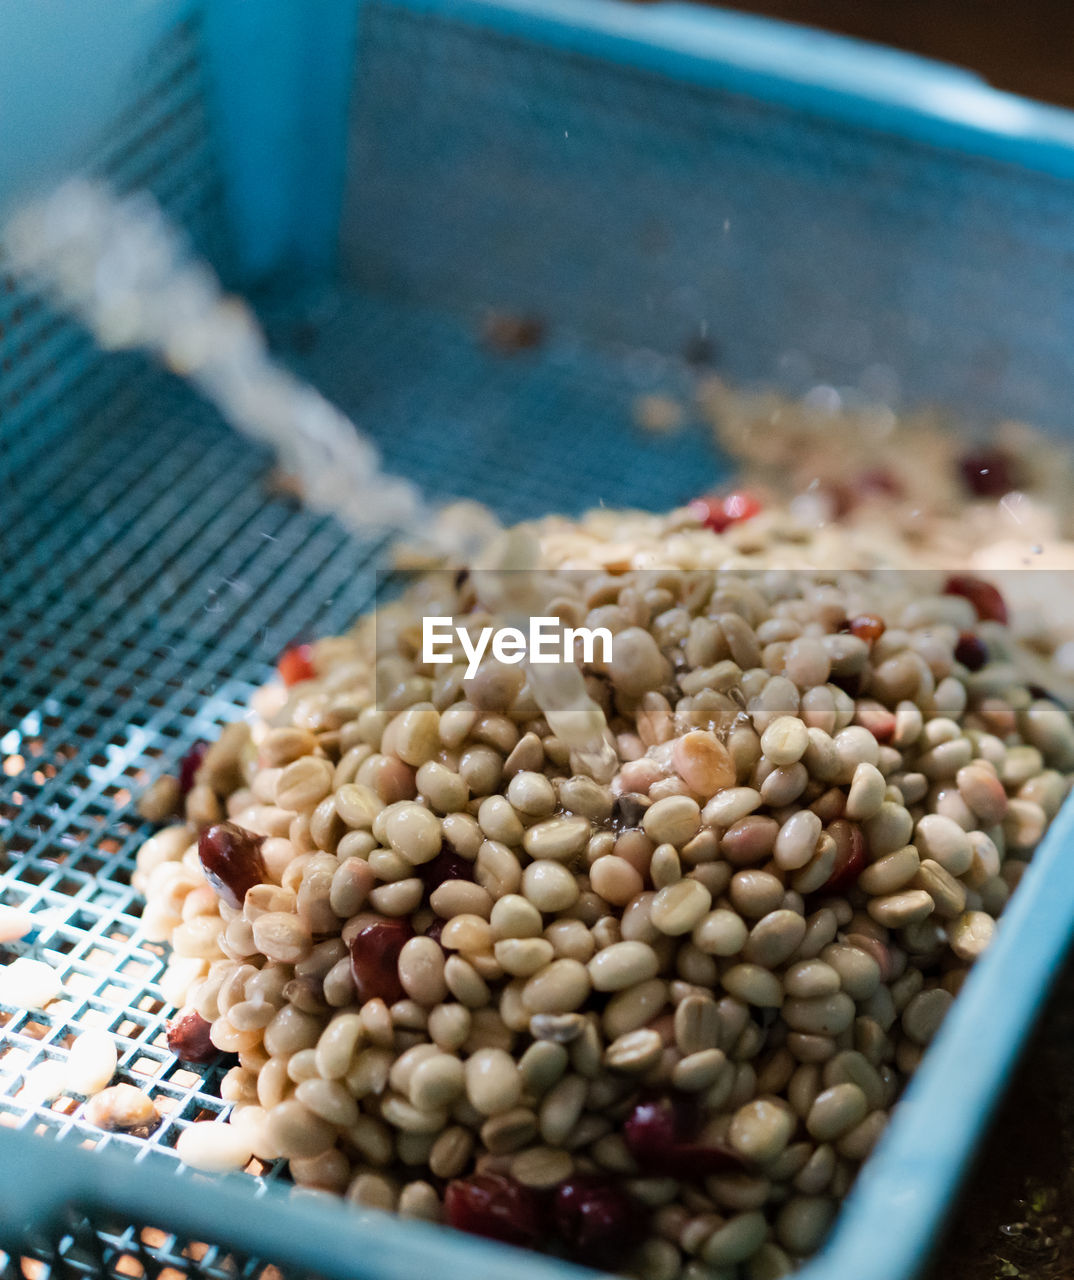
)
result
[(1026, 46)]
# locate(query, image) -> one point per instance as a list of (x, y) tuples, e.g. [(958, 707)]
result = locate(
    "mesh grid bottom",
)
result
[(143, 598)]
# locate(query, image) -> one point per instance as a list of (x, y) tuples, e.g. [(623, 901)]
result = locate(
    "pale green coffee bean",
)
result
[(755, 893), (699, 1071), (403, 1115), (531, 793), (854, 746), (437, 1082), (493, 1082), (946, 759), (860, 1141), (850, 1067), (673, 820), (414, 734), (295, 1131), (818, 709), (281, 937), (761, 1129), (970, 933), (697, 1025), (509, 1131), (720, 933), (397, 899), (923, 1014), (585, 1050), (774, 938), (679, 907), (784, 785), (947, 894), (560, 839), (901, 909), (890, 872), (622, 965), (1024, 824), (616, 880), (1048, 789), (421, 971), (337, 1044), (821, 928), (797, 840), (945, 842), (890, 828), (581, 795), (728, 806), (442, 787), (523, 957), (633, 1008), (803, 1222), (352, 883), (637, 664), (785, 740), (866, 793), (413, 832), (665, 867), (768, 1263), (358, 805), (303, 784), (542, 1065), (740, 639), (821, 1015), (561, 1109), (858, 970), (465, 983), (460, 897), (542, 1167), (754, 985), (909, 724), (810, 978), (449, 1025), (571, 940), (821, 757), (470, 934), (514, 916), (635, 1052), (749, 840), (450, 1153), (739, 1237), (329, 1100), (549, 885), (499, 821), (561, 987), (983, 792), (836, 1111), (816, 873), (1020, 763), (816, 1173)]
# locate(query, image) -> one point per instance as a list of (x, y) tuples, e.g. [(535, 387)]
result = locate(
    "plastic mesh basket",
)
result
[(150, 576)]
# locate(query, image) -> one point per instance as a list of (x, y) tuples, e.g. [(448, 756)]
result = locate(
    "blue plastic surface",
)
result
[(65, 71), (639, 178)]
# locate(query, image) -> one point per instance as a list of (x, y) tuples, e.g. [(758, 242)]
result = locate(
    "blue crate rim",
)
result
[(860, 84)]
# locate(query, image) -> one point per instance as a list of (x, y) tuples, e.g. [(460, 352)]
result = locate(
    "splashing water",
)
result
[(118, 265)]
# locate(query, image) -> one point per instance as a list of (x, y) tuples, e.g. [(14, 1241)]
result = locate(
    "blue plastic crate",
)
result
[(385, 172)]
